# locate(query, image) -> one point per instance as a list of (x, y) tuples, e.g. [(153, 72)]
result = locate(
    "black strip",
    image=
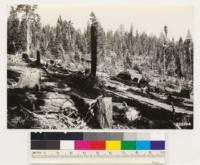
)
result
[(57, 136), (37, 136), (53, 135), (72, 136)]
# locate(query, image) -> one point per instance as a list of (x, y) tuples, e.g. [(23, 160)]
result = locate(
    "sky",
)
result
[(150, 19)]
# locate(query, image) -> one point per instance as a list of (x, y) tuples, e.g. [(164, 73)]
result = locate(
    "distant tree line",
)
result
[(127, 49)]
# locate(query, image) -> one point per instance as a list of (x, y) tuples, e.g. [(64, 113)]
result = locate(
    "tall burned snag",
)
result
[(93, 49), (38, 57)]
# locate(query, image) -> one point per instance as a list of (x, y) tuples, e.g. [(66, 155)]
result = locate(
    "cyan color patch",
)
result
[(143, 145)]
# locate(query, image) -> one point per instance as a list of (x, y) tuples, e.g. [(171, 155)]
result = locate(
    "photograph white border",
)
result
[(18, 140)]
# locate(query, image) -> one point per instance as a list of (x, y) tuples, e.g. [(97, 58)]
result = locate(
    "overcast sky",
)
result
[(150, 19)]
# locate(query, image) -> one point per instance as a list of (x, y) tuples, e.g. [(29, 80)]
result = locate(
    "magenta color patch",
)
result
[(82, 145)]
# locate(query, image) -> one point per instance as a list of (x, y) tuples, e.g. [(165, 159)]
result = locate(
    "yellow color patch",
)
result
[(113, 145)]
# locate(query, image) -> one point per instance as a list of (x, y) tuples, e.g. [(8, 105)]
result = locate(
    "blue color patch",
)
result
[(143, 145)]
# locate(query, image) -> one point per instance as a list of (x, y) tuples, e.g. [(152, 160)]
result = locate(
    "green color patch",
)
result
[(128, 145)]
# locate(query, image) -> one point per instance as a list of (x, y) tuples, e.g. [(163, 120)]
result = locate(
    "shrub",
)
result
[(137, 68), (125, 75)]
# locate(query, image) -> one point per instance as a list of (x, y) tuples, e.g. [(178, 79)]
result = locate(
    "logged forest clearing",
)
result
[(62, 78)]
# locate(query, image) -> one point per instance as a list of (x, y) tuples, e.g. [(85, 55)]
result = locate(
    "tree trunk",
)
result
[(28, 37), (93, 50), (103, 112), (38, 58)]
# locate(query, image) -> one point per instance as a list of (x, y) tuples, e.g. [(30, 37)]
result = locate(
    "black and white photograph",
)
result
[(93, 66)]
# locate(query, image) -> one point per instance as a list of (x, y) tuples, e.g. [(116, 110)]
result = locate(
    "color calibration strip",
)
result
[(96, 141), (97, 145), (57, 148)]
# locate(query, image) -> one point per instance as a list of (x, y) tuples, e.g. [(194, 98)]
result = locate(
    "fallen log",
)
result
[(139, 101)]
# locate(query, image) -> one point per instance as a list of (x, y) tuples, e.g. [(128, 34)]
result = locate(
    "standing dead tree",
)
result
[(94, 37), (38, 57)]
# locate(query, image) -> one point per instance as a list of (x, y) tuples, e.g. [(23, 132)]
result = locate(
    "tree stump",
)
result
[(30, 79), (25, 57), (103, 112)]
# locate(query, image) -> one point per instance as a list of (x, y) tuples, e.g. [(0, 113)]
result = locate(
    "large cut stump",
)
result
[(30, 79), (103, 112)]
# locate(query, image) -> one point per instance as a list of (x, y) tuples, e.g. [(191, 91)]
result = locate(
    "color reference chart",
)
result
[(98, 148)]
